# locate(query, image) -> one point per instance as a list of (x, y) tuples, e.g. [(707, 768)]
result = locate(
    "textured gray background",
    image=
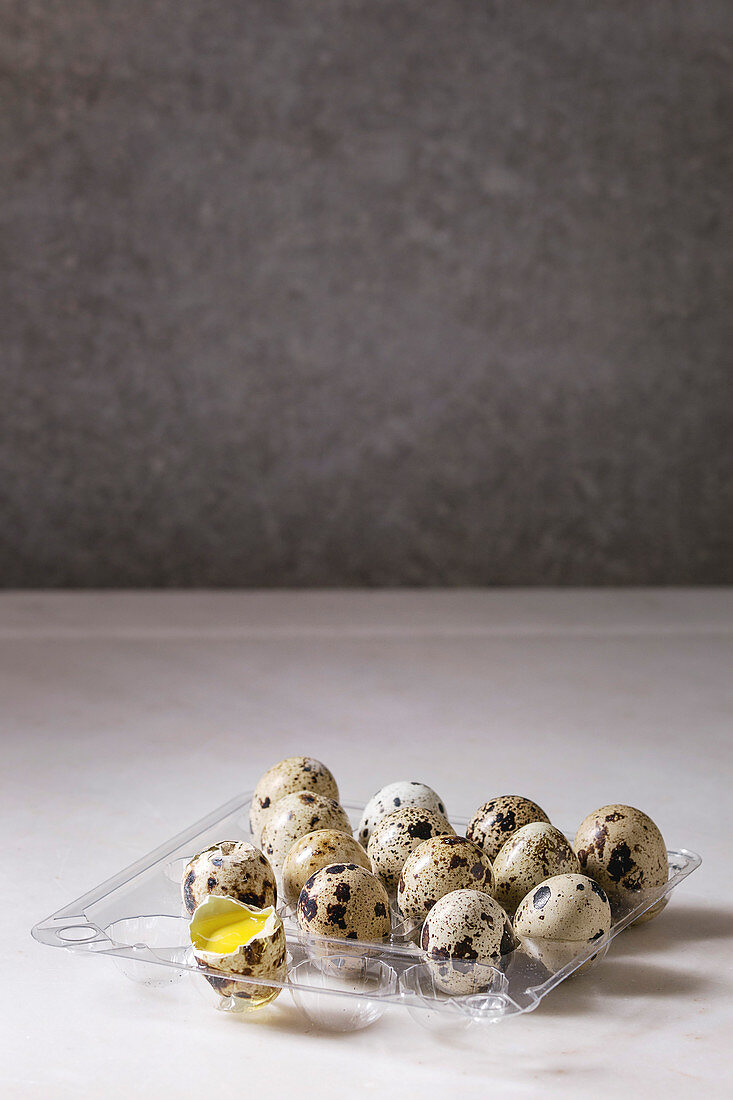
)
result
[(366, 292)]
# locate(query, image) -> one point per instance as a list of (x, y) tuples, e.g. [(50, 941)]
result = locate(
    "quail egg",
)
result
[(623, 850), (465, 932), (499, 818), (295, 773), (535, 852), (294, 816), (345, 901), (232, 868), (239, 939), (392, 797), (397, 835), (560, 917), (437, 867), (314, 851)]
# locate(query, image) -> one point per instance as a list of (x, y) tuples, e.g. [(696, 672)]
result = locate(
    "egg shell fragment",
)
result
[(295, 773), (499, 818), (437, 867), (397, 835), (535, 852), (296, 815), (345, 901), (464, 932), (263, 957), (231, 868), (315, 851), (393, 797), (624, 851)]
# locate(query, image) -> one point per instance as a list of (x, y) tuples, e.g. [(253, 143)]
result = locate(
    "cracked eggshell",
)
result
[(296, 815), (535, 852), (397, 835), (264, 956), (499, 818), (623, 850), (295, 773), (403, 792), (464, 932), (345, 901), (437, 867), (315, 851), (231, 868)]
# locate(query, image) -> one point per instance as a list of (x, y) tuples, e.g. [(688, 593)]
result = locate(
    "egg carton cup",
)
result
[(138, 919)]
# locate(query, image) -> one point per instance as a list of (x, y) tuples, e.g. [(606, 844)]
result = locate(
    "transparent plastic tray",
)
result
[(138, 918)]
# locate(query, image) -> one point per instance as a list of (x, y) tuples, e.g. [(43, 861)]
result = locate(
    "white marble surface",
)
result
[(126, 716)]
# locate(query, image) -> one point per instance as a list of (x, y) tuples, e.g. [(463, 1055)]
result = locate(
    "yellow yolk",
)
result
[(227, 931)]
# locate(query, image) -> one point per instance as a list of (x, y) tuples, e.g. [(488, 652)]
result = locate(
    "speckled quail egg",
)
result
[(560, 917), (499, 818), (295, 773), (463, 929), (535, 852), (239, 939), (314, 851), (623, 850), (397, 835), (345, 901), (394, 796), (231, 868), (293, 817), (437, 867)]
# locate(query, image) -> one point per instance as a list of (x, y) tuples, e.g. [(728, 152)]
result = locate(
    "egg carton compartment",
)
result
[(137, 918)]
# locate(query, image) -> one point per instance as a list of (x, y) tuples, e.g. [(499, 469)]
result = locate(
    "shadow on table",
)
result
[(674, 926), (625, 972), (284, 1017), (622, 979)]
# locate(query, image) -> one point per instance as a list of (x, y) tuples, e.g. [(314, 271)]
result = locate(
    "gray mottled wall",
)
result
[(366, 292)]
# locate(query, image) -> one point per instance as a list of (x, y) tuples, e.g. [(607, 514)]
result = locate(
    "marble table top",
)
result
[(126, 716)]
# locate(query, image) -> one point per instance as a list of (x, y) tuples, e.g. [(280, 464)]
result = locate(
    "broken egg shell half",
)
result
[(239, 939)]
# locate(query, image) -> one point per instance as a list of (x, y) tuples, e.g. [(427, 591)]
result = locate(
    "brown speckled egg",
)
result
[(231, 868), (345, 901), (314, 851), (560, 917), (437, 867), (623, 850), (393, 797), (397, 835), (463, 928), (295, 773), (535, 852), (499, 818), (252, 944), (294, 816)]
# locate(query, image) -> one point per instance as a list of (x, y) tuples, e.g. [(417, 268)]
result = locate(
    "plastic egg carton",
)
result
[(137, 917)]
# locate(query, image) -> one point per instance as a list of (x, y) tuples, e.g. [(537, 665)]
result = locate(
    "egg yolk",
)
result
[(226, 932)]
